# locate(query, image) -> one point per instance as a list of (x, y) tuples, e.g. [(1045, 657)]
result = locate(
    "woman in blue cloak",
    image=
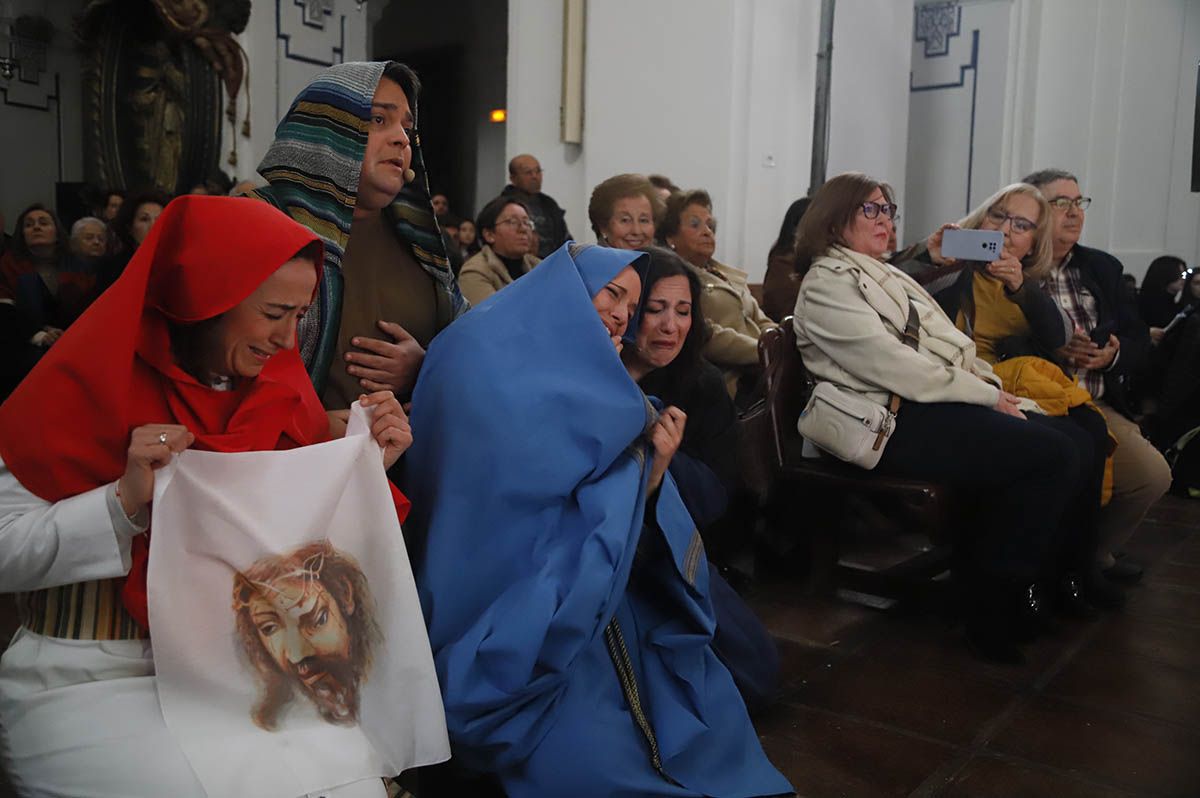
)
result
[(564, 584)]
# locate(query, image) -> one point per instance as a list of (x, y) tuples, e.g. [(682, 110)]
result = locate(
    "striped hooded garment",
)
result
[(312, 170)]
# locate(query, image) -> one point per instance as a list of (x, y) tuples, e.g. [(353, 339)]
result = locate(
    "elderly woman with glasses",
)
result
[(732, 313), (507, 251), (1000, 304)]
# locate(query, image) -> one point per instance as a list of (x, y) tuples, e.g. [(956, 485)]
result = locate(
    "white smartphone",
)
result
[(980, 245)]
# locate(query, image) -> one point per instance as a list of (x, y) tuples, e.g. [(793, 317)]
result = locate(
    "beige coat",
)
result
[(484, 274), (735, 318), (849, 316)]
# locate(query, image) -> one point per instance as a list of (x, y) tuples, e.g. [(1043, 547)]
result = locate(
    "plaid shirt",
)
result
[(1065, 286)]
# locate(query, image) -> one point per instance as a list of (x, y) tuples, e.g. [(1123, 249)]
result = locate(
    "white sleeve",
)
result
[(78, 539)]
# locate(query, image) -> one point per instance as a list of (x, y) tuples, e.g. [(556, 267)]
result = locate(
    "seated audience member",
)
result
[(468, 241), (1001, 304), (48, 287), (624, 211), (60, 293), (1109, 347), (343, 164), (549, 220), (179, 354), (1190, 294), (129, 229), (506, 229), (441, 205), (781, 283), (1019, 329), (89, 237), (89, 245), (663, 185), (584, 636), (1178, 409), (851, 313), (111, 203), (662, 354), (39, 245), (1177, 380), (1160, 297), (1159, 304), (736, 320)]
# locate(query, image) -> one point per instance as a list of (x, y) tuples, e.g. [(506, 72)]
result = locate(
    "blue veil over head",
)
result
[(568, 621)]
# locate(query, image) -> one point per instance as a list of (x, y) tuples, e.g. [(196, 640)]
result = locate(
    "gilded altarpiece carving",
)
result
[(153, 75)]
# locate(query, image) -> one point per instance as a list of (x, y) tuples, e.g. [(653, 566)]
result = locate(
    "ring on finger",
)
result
[(162, 438)]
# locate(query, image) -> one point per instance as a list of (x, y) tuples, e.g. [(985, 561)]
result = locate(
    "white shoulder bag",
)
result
[(846, 424)]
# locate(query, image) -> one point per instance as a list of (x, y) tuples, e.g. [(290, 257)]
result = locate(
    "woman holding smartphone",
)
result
[(1019, 329)]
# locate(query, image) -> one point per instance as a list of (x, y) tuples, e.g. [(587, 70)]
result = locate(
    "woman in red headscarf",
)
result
[(194, 346)]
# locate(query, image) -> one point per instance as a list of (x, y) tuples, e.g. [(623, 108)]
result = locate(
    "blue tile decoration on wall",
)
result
[(936, 24), (313, 14)]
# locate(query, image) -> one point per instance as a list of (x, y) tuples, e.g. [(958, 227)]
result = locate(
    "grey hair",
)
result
[(1037, 262), (77, 228), (1044, 177)]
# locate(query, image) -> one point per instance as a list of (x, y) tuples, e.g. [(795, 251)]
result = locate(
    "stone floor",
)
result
[(882, 704)]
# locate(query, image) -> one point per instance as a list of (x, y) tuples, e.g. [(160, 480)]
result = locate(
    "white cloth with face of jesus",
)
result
[(289, 644)]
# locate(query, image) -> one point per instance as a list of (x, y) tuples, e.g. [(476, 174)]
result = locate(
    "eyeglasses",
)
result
[(871, 210), (518, 223), (1064, 203), (1019, 224), (696, 223)]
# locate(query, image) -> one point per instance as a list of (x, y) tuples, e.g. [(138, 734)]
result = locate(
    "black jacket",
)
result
[(1101, 274), (549, 220), (1048, 329), (705, 467)]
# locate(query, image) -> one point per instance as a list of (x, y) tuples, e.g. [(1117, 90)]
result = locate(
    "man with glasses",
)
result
[(1111, 343), (549, 220), (346, 163)]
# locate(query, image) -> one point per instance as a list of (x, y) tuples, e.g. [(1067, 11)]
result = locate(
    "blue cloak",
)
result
[(570, 620)]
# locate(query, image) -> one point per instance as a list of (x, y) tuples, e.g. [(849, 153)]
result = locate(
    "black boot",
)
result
[(1072, 600), (1033, 615)]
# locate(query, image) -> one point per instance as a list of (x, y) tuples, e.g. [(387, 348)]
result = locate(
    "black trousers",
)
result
[(1029, 477)]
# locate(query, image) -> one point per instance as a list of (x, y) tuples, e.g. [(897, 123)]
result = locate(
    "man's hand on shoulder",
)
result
[(386, 364)]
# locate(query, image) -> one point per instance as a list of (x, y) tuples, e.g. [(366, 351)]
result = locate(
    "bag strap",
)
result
[(911, 337)]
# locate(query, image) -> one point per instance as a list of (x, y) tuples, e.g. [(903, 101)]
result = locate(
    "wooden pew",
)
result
[(809, 495)]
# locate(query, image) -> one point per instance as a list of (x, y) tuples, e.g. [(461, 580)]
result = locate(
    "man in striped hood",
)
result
[(346, 163)]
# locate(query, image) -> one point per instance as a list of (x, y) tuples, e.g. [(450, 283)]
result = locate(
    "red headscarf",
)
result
[(66, 428)]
